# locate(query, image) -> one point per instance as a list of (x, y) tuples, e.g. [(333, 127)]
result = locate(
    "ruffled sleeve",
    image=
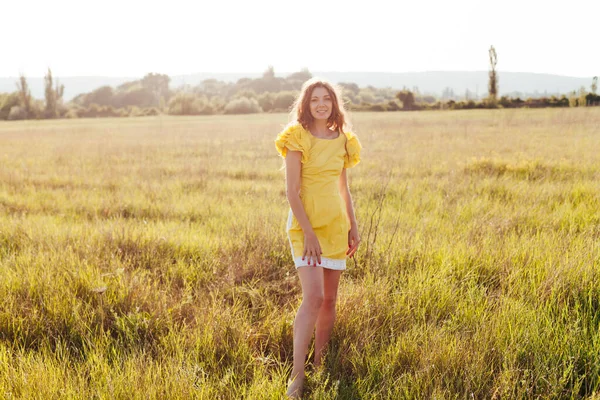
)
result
[(353, 148), (294, 138)]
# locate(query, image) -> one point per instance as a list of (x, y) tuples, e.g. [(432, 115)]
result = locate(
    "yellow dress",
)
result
[(322, 163)]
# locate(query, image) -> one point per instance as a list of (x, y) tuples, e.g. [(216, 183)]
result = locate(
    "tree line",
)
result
[(152, 95)]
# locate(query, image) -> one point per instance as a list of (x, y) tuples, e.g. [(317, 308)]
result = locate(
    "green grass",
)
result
[(147, 258)]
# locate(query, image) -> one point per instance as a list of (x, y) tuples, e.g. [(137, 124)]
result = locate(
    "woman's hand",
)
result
[(353, 240), (312, 249)]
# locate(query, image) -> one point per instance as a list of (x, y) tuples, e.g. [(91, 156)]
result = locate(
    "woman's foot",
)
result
[(295, 387)]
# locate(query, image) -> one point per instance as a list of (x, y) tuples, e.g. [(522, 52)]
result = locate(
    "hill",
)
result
[(526, 84)]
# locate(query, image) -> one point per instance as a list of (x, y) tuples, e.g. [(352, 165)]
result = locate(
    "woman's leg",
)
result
[(311, 279), (326, 318)]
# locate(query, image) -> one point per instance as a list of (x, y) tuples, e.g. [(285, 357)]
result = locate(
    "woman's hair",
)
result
[(301, 108)]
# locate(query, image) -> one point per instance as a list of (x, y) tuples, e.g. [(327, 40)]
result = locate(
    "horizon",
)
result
[(428, 82)]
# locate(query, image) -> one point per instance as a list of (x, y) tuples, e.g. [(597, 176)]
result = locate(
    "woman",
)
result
[(318, 148)]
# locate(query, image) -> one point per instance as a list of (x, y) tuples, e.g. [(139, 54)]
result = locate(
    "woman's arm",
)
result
[(293, 177), (353, 236)]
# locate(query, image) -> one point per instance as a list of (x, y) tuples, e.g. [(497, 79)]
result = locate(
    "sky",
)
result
[(129, 38)]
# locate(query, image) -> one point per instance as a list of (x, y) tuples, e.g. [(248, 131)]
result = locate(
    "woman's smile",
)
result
[(320, 103)]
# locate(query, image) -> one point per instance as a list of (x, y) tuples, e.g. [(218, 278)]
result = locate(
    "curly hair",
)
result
[(301, 108)]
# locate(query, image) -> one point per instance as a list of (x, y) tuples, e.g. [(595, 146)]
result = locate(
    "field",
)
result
[(147, 259)]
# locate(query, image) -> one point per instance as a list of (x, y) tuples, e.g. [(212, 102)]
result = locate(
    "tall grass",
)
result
[(147, 258)]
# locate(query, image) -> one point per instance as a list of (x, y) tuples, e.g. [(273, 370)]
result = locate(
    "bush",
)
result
[(284, 100), (592, 99), (519, 103), (365, 97), (393, 106), (266, 101), (242, 105), (426, 99), (377, 107), (152, 111), (142, 112), (217, 104), (7, 102), (469, 105), (16, 113), (349, 99), (96, 111), (190, 104), (249, 93), (505, 102), (74, 111)]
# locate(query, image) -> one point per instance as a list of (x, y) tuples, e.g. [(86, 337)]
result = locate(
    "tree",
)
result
[(103, 96), (182, 104), (582, 101), (50, 111), (350, 87), (53, 95), (302, 76), (158, 85), (135, 96), (468, 95), (448, 93), (573, 99), (493, 82), (269, 73), (407, 98), (24, 95)]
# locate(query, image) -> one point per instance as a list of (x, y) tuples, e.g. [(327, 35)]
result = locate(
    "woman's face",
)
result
[(320, 103)]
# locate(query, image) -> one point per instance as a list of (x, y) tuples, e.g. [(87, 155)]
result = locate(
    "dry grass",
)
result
[(147, 258)]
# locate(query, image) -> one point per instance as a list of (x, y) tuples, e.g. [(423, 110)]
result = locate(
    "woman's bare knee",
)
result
[(313, 301), (329, 302)]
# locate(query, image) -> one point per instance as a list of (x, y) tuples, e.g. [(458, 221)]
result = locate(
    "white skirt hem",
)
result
[(329, 263)]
